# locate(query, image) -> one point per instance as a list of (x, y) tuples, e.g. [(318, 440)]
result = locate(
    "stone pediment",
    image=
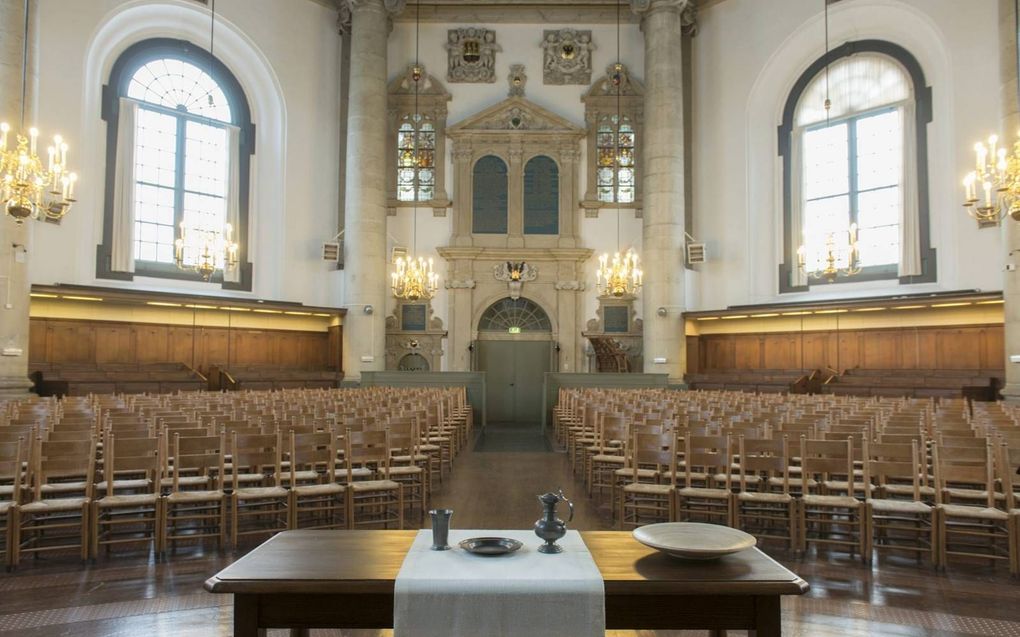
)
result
[(516, 115)]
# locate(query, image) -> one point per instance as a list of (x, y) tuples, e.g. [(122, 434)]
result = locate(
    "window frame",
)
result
[(124, 69), (922, 95), (432, 100), (600, 103)]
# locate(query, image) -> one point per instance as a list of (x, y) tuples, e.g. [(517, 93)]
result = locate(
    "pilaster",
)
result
[(1010, 128)]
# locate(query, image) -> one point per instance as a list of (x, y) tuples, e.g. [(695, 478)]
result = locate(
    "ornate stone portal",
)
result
[(471, 54), (516, 132), (414, 338), (616, 322), (566, 56)]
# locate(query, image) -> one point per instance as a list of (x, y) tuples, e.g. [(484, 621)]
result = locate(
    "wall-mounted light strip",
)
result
[(798, 313), (298, 313), (830, 311), (81, 298), (992, 302), (957, 304), (708, 318), (868, 309), (230, 308), (766, 315), (163, 304), (41, 295), (909, 307), (261, 311), (323, 315), (735, 316), (195, 306)]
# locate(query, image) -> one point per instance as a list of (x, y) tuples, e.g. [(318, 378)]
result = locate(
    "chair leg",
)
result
[(400, 506), (233, 520), (96, 520)]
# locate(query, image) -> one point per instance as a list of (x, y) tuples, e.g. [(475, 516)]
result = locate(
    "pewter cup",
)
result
[(440, 528)]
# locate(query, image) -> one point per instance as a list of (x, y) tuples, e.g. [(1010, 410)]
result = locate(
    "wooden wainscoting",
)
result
[(927, 347), (60, 341)]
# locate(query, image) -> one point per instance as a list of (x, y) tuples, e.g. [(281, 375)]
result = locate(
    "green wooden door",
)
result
[(514, 373)]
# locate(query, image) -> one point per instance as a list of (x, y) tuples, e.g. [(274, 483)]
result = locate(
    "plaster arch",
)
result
[(890, 20), (139, 20)]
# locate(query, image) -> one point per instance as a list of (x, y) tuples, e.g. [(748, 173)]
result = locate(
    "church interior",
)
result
[(310, 299)]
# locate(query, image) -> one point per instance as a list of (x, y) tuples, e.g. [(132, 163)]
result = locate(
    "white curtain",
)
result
[(910, 240), (797, 276), (122, 249), (233, 199)]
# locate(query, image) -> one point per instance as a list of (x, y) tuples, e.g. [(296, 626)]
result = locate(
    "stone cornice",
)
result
[(455, 253)]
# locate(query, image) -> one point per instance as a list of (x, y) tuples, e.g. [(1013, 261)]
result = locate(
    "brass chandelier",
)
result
[(414, 278), (622, 275), (29, 188), (838, 260), (205, 251), (997, 174)]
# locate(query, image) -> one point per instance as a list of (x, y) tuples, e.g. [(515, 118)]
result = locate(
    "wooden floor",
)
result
[(133, 595)]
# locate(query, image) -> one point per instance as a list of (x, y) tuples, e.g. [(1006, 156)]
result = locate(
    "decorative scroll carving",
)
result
[(517, 79), (566, 56), (515, 275), (460, 284), (572, 286), (471, 54), (414, 338)]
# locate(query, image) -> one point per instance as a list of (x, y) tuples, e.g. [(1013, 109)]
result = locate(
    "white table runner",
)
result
[(527, 594)]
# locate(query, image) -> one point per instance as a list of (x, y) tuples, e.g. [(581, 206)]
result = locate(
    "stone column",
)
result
[(15, 240), (1009, 130), (662, 186), (366, 269)]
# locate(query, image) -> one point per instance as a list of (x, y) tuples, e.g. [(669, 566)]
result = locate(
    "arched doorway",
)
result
[(515, 352)]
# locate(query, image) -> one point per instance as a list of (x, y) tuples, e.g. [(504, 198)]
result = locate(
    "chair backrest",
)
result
[(952, 468), (710, 453), (135, 455), (657, 449), (367, 447), (259, 452), (313, 450), (62, 459), (201, 453), (826, 458), (768, 456), (614, 428), (896, 462), (12, 456)]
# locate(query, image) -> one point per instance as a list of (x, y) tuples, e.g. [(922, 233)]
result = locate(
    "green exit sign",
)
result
[(514, 330)]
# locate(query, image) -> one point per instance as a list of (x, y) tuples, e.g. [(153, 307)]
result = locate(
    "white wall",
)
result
[(748, 54), (285, 55)]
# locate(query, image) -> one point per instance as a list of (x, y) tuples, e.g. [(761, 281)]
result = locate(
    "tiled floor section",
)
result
[(132, 595)]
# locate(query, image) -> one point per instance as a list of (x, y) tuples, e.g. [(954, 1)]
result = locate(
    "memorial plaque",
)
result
[(615, 319), (412, 317), (489, 199), (541, 196)]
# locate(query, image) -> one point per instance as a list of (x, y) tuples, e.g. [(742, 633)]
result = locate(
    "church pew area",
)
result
[(752, 380), (70, 379), (979, 384)]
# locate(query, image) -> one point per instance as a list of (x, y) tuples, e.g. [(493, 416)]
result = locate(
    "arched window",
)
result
[(862, 162), (416, 141), (489, 196), (522, 314), (541, 196), (614, 107), (179, 142), (615, 157)]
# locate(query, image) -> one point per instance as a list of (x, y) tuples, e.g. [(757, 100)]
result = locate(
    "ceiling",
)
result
[(526, 11)]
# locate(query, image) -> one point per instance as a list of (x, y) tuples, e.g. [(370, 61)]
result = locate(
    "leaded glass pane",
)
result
[(180, 86), (606, 194), (416, 159), (521, 313), (615, 160)]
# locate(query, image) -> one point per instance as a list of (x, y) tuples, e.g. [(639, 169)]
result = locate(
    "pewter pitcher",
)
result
[(550, 528)]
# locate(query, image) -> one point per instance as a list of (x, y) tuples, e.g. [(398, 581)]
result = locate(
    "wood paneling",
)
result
[(956, 347), (74, 341)]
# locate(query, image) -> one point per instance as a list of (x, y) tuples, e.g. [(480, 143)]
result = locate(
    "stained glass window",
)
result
[(615, 144), (181, 155), (416, 159)]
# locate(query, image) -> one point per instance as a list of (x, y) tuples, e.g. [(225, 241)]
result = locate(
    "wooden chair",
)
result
[(59, 523), (262, 509), (970, 530), (641, 502), (758, 510), (831, 520), (372, 501), (196, 506), (408, 466), (12, 455), (608, 454), (119, 518), (708, 503), (322, 505), (896, 523), (1009, 461)]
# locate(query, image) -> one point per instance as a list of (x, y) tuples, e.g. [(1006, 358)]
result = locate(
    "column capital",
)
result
[(391, 7), (686, 9)]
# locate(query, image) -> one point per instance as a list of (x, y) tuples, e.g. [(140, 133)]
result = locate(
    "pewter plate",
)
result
[(490, 546), (694, 540)]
